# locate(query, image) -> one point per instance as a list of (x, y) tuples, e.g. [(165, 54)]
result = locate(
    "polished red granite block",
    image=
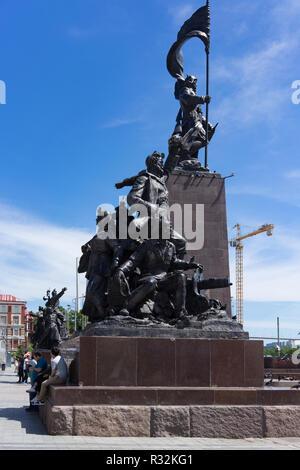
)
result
[(283, 397), (192, 363), (264, 397), (64, 396), (170, 362), (88, 360), (227, 363), (235, 397), (254, 363), (116, 362), (185, 396), (155, 362), (171, 396)]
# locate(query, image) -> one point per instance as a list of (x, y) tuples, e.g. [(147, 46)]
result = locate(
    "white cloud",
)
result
[(36, 255), (258, 80), (81, 33), (119, 122), (270, 324), (241, 29), (286, 13), (181, 13), (276, 193), (294, 174)]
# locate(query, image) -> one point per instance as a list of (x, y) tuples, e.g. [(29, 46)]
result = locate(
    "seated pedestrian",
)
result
[(59, 375), (38, 374), (38, 370)]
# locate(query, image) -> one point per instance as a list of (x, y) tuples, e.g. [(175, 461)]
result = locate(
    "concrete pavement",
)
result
[(21, 430)]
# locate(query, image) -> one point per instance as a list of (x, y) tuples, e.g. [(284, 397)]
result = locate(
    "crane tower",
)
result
[(237, 244)]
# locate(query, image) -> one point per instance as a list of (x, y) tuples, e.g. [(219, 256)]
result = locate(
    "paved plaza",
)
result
[(23, 430)]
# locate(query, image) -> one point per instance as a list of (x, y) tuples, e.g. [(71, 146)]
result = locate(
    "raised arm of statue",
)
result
[(55, 298), (129, 181), (173, 157), (36, 314)]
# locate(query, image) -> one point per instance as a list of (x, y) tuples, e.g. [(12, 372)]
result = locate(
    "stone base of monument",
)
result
[(215, 421), (155, 387), (171, 387), (116, 326)]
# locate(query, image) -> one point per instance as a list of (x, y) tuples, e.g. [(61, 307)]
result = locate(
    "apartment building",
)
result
[(15, 323)]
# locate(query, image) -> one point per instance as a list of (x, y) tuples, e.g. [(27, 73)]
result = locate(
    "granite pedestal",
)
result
[(193, 387), (170, 362), (207, 189)]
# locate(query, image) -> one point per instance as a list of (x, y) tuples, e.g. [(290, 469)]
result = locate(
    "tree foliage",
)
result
[(283, 351), (81, 320)]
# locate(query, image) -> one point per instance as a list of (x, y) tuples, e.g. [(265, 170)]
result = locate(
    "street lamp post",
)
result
[(77, 295), (68, 319), (278, 337), (76, 302)]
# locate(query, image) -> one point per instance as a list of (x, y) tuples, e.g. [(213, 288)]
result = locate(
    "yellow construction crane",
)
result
[(237, 244)]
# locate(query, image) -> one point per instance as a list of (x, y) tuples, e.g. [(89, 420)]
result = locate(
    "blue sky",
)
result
[(89, 96)]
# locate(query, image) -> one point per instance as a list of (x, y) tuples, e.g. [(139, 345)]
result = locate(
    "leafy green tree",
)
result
[(20, 351), (81, 320), (283, 351)]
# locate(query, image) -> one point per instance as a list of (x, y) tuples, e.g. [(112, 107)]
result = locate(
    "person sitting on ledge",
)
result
[(59, 375), (39, 373)]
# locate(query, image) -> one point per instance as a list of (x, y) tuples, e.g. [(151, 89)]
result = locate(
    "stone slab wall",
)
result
[(229, 422)]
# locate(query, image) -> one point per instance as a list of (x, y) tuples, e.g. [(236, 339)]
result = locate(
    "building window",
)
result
[(16, 320), (16, 309), (16, 332), (3, 320), (3, 308)]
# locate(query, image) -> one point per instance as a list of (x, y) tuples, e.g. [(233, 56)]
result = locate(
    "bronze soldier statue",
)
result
[(190, 122), (50, 328), (160, 270), (96, 261), (149, 190)]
